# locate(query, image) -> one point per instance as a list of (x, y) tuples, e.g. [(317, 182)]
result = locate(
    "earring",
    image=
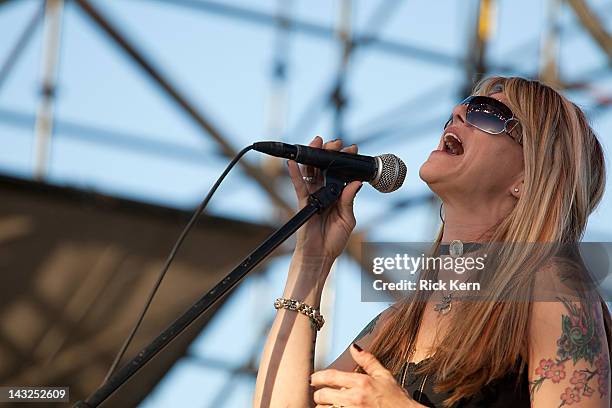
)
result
[(441, 218), (516, 190)]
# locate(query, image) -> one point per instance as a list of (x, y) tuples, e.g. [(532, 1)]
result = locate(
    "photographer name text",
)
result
[(426, 284)]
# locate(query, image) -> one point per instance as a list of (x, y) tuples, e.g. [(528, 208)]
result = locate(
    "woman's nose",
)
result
[(458, 114)]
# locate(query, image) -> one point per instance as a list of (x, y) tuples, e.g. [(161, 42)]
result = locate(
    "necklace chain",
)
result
[(443, 307)]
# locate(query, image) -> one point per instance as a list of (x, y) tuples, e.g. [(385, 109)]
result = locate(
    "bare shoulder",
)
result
[(569, 354), (364, 339)]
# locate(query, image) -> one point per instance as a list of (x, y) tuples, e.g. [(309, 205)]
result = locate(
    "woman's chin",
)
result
[(431, 172), (439, 179)]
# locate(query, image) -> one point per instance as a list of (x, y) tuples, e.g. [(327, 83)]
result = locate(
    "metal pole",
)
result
[(550, 44), (43, 127), (590, 21), (20, 45), (344, 33), (277, 99), (476, 63)]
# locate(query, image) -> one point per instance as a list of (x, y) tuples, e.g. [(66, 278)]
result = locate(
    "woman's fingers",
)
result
[(308, 179), (350, 149), (301, 189), (338, 379), (335, 144), (305, 179), (347, 199), (311, 173), (315, 174), (330, 397)]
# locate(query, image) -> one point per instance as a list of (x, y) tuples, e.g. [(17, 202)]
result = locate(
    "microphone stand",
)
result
[(317, 203)]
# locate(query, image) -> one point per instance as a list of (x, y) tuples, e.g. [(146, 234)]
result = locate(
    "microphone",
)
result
[(385, 173)]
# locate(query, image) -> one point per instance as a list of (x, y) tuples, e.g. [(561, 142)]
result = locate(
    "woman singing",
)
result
[(516, 163)]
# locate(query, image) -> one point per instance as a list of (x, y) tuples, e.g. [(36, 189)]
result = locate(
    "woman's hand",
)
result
[(324, 235), (375, 389)]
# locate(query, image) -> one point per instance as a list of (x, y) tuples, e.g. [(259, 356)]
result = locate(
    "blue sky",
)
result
[(224, 67)]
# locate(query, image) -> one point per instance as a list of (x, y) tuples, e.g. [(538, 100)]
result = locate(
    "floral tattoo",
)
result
[(580, 340)]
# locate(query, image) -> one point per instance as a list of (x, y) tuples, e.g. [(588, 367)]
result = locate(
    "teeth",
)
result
[(452, 135), (452, 144)]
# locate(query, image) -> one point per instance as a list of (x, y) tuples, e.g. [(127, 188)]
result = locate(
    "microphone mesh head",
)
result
[(391, 175)]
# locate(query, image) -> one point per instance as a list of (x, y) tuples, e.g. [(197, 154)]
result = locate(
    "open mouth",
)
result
[(452, 144)]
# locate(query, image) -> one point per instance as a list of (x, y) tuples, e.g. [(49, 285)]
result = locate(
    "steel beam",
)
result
[(475, 67), (592, 24), (20, 45), (181, 100), (549, 70), (317, 30), (144, 144), (43, 128)]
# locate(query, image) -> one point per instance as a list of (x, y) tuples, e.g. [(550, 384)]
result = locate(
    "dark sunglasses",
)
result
[(487, 114)]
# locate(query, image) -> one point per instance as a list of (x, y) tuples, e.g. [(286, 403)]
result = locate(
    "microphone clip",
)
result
[(327, 195)]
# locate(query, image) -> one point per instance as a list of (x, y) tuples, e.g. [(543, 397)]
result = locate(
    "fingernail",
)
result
[(357, 347)]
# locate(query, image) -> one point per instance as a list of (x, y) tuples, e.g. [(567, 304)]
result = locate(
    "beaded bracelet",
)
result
[(292, 304)]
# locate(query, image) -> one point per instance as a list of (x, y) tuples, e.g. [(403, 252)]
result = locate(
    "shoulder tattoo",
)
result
[(580, 340)]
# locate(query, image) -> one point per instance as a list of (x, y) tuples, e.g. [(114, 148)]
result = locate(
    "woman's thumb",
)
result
[(348, 196)]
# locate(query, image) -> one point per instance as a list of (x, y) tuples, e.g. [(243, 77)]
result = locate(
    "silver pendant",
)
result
[(455, 248), (445, 305)]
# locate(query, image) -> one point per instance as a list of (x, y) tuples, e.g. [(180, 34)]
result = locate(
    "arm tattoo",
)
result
[(580, 339), (368, 329)]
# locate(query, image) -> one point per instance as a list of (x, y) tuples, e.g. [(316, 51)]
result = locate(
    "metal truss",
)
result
[(333, 94)]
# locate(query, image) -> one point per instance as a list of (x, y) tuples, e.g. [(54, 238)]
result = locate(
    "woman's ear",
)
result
[(517, 189)]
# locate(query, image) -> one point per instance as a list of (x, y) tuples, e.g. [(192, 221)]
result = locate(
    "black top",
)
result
[(500, 393)]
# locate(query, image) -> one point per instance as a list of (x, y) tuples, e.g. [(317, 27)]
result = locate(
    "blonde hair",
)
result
[(564, 177)]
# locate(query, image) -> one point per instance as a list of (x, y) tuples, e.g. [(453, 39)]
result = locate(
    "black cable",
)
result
[(170, 258)]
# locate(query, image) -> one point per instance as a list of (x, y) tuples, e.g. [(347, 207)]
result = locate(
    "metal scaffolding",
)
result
[(333, 97)]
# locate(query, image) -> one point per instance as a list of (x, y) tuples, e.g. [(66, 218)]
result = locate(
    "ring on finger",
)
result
[(308, 179)]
